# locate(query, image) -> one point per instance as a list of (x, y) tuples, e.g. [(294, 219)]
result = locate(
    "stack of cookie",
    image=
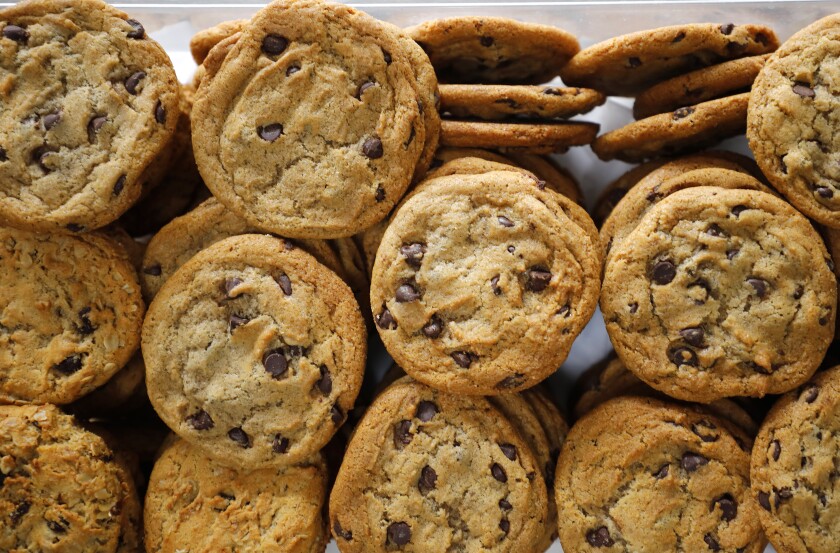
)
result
[(691, 84), (493, 70)]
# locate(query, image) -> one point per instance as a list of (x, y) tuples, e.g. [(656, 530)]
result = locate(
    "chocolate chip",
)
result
[(160, 113), (433, 328), (153, 270), (735, 48), (728, 507), (599, 537), (426, 410), (69, 365), (18, 34), (662, 472), (804, 90), (487, 41), (824, 192), (380, 194), (270, 132), (511, 249), (364, 86), (811, 392), (40, 156), (711, 542), (3, 156), (280, 444), (759, 285), (20, 509), (777, 449), (715, 230), (385, 320), (505, 505), (386, 56), (693, 336), (200, 420), (57, 527), (692, 461), (634, 62), (682, 113), (407, 293), (565, 311), (133, 82), (537, 279), (498, 472), (86, 327), (682, 356), (428, 480), (730, 254), (764, 500), (336, 415), (50, 120), (509, 450), (664, 272), (738, 209), (494, 284), (505, 222), (274, 44), (706, 431), (633, 307), (292, 69), (504, 525), (678, 38), (413, 253), (240, 437), (782, 495), (462, 358), (137, 31), (235, 321), (402, 434), (341, 532), (230, 285), (398, 533), (324, 383), (119, 185), (513, 381), (94, 125), (285, 283), (727, 28), (74, 227), (372, 148)]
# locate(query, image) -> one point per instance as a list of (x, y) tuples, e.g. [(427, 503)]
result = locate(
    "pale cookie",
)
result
[(504, 101)]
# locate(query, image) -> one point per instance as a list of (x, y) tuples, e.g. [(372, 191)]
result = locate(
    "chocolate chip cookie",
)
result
[(724, 79), (196, 504), (794, 468), (503, 101), (687, 129), (542, 137), (311, 126), (89, 102), (793, 116), (254, 352), (494, 50), (430, 471), (59, 487), (526, 276), (70, 315), (719, 293), (628, 64), (643, 475)]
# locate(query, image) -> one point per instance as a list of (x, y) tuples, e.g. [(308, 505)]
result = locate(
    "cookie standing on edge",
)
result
[(719, 293), (90, 103), (254, 352), (504, 101), (539, 137)]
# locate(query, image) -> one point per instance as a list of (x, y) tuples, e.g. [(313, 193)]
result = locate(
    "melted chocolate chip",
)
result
[(810, 394), (426, 410), (824, 192), (413, 253), (324, 383), (513, 381), (385, 320), (494, 284), (427, 481), (693, 336), (386, 56), (274, 44), (336, 415), (634, 62), (505, 505), (200, 420), (3, 155), (69, 365), (711, 542), (682, 113), (270, 132), (137, 31), (153, 270), (509, 450), (372, 148), (380, 194), (402, 434), (230, 285), (662, 472), (706, 431), (633, 307), (727, 28), (498, 472), (680, 36), (803, 90), (18, 34), (782, 495), (776, 449), (715, 230), (664, 272), (280, 444), (40, 156), (599, 537), (275, 364), (537, 279), (728, 507), (20, 509), (160, 113), (94, 125), (505, 222), (433, 328), (74, 227), (285, 283), (407, 293), (119, 185), (738, 209), (292, 69), (50, 120), (86, 327), (504, 525), (240, 437), (682, 356), (364, 86), (398, 533), (764, 500), (730, 254), (341, 532), (692, 461), (57, 527), (759, 285), (487, 41), (462, 358), (133, 81)]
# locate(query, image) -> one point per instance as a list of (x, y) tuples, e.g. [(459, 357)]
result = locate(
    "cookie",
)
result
[(687, 129), (442, 155), (494, 50), (477, 166), (310, 127), (524, 290), (792, 119), (547, 169), (430, 471), (629, 64), (60, 488), (794, 474), (504, 101), (254, 352), (720, 293), (205, 225), (90, 103), (643, 475), (709, 83), (204, 40), (196, 504), (123, 394), (71, 311), (542, 137)]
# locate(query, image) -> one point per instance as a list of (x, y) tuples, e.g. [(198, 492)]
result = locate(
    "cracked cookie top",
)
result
[(311, 126), (643, 475), (793, 118), (70, 315), (720, 293), (254, 352), (87, 102), (794, 468), (430, 471)]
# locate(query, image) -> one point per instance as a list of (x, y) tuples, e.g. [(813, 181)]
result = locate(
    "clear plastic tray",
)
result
[(173, 23)]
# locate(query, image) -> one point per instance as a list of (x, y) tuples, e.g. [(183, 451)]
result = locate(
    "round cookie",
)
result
[(494, 50), (254, 352), (71, 311), (794, 474), (536, 137), (60, 489), (90, 103), (792, 120), (205, 225), (504, 101), (643, 475), (687, 129), (196, 504), (429, 471), (720, 293), (524, 291), (204, 40), (311, 126), (629, 64), (724, 79)]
